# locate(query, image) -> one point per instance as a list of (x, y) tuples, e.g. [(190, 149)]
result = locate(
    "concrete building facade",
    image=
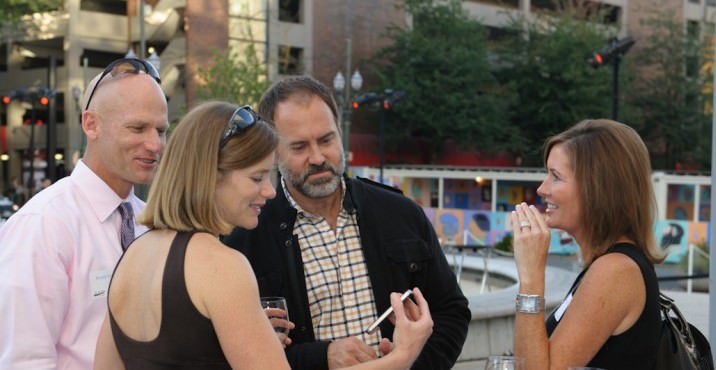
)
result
[(316, 37)]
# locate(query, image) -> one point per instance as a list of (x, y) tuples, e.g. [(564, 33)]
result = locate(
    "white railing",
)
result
[(690, 269), (460, 248)]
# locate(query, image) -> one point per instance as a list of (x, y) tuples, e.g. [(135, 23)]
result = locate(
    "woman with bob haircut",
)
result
[(598, 189), (179, 298)]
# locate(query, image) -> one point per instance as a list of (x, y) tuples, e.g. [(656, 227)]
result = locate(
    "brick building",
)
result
[(293, 36)]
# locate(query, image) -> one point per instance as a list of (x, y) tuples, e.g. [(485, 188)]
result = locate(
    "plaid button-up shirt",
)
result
[(340, 295)]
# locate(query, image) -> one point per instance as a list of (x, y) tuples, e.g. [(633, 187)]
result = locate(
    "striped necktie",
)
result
[(126, 231)]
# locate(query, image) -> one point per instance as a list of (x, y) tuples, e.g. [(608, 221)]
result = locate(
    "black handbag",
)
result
[(682, 346)]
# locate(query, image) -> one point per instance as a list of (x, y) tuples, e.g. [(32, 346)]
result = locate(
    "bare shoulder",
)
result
[(216, 274), (617, 279), (614, 266), (210, 252)]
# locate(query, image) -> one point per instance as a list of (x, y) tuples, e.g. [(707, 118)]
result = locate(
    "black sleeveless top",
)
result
[(186, 338), (635, 348)]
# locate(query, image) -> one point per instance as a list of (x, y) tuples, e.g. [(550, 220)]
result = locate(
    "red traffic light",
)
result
[(44, 100), (6, 99), (365, 99), (597, 60), (614, 50)]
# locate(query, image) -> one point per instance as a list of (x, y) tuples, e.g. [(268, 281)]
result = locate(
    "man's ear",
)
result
[(90, 126)]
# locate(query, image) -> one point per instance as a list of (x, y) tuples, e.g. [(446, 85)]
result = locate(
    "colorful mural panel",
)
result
[(459, 226)]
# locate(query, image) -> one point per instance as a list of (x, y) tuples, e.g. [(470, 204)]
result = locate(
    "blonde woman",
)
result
[(179, 298)]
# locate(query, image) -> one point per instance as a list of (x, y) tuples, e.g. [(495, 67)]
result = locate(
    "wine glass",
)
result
[(505, 363), (277, 312)]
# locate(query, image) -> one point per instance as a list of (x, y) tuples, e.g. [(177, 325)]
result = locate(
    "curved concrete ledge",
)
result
[(493, 314)]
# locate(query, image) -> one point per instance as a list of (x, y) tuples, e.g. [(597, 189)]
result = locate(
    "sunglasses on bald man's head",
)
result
[(122, 66), (242, 118)]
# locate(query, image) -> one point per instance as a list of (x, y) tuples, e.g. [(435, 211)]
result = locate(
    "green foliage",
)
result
[(233, 78), (544, 62), (669, 98), (12, 10), (701, 262), (505, 245), (442, 65)]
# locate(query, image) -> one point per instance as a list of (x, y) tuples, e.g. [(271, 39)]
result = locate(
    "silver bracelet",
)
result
[(529, 303)]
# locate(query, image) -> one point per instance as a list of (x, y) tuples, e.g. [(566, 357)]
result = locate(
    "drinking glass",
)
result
[(277, 312), (505, 363)]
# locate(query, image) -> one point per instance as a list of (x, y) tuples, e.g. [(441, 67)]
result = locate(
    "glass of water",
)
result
[(505, 363), (277, 312)]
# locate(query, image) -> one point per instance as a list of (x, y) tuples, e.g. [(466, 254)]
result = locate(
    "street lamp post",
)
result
[(613, 52), (343, 97)]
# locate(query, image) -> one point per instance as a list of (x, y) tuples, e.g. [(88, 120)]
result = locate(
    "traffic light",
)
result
[(365, 99), (41, 96), (614, 49), (44, 94), (392, 98), (13, 95)]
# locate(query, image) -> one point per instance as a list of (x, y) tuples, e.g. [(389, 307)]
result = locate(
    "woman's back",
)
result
[(162, 298), (155, 323)]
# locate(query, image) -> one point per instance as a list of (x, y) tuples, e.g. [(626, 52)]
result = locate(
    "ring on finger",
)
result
[(525, 223)]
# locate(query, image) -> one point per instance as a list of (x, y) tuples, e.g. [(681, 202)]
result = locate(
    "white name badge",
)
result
[(99, 283), (563, 307)]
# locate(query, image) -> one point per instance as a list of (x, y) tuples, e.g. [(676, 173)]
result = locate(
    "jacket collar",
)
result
[(350, 202)]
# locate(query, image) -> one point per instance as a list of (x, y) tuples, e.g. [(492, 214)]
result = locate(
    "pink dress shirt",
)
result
[(57, 255)]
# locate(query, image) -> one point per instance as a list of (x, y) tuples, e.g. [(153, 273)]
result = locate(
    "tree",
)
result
[(544, 62), (670, 97), (240, 78), (12, 10), (441, 63)]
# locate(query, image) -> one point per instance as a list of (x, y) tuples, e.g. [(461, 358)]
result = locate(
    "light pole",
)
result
[(613, 52), (387, 100), (343, 97)]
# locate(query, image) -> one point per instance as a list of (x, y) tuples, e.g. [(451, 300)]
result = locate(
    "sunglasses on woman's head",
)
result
[(241, 119)]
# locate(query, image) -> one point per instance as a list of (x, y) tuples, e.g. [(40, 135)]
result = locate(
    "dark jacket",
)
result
[(401, 251)]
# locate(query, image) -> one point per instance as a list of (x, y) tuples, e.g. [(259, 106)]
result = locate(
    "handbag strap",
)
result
[(679, 324)]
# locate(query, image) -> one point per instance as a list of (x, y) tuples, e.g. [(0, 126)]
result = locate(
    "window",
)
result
[(289, 11), (514, 4), (117, 7), (290, 60), (692, 57), (496, 34), (3, 57), (604, 13), (692, 28), (543, 5), (36, 53), (98, 58), (609, 14), (39, 62)]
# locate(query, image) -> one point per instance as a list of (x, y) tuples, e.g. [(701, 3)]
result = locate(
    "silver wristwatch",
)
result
[(529, 303)]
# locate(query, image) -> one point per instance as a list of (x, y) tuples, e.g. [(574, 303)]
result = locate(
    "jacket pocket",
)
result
[(410, 258), (270, 284)]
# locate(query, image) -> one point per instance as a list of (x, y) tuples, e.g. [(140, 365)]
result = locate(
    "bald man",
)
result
[(57, 253)]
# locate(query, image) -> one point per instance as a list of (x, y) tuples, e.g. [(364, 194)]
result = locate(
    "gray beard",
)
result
[(319, 189)]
